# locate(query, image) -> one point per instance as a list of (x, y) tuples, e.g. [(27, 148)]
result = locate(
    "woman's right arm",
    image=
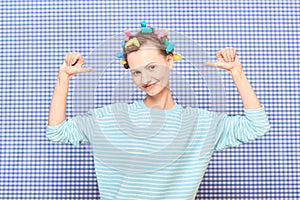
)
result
[(57, 111), (71, 66)]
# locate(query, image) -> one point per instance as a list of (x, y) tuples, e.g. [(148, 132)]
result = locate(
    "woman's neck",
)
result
[(162, 101)]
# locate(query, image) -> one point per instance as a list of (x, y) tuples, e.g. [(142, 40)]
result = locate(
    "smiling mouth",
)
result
[(148, 87)]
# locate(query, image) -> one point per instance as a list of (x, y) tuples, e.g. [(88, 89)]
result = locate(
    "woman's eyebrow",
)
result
[(149, 64)]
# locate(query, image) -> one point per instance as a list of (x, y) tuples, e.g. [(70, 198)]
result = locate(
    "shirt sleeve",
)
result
[(234, 130), (75, 130)]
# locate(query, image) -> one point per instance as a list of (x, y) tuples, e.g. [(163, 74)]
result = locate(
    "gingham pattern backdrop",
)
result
[(35, 35)]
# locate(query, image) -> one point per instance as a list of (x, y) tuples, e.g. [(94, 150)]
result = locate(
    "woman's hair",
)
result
[(152, 38)]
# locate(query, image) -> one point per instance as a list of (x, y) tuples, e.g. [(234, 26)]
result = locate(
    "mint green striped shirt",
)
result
[(142, 153)]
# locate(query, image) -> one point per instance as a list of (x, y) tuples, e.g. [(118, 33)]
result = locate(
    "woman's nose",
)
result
[(146, 78)]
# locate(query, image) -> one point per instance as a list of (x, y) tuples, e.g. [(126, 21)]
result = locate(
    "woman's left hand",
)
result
[(227, 60)]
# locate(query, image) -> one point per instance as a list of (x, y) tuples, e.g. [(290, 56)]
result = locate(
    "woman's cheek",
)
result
[(137, 81)]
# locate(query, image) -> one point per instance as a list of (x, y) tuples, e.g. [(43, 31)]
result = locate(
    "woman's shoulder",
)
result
[(199, 111)]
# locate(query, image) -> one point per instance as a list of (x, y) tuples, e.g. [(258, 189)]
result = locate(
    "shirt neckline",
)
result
[(142, 104)]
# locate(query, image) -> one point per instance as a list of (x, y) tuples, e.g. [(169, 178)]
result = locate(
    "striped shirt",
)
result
[(142, 153)]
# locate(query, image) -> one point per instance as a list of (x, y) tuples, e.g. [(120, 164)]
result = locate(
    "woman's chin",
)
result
[(155, 92), (151, 94)]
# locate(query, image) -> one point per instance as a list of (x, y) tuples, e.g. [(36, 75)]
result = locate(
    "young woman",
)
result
[(147, 167)]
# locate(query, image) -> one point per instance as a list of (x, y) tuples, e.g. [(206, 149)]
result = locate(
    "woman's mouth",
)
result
[(148, 87)]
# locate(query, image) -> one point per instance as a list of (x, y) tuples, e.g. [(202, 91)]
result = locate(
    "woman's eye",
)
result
[(152, 67), (135, 73)]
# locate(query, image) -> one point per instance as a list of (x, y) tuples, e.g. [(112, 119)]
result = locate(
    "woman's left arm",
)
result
[(234, 130), (229, 61)]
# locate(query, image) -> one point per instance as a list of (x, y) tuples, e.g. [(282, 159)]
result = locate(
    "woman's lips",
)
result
[(148, 87)]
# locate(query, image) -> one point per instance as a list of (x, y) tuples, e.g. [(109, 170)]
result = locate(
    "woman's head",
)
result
[(150, 69), (149, 57)]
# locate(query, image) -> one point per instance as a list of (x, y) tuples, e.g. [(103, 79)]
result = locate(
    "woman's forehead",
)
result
[(144, 56)]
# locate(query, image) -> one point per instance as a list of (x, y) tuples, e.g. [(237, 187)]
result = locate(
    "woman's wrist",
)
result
[(237, 74), (63, 77)]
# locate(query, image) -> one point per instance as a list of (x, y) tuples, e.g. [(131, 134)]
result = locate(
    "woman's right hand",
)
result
[(72, 65)]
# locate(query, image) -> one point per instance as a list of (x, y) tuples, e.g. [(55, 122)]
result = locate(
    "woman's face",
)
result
[(150, 70)]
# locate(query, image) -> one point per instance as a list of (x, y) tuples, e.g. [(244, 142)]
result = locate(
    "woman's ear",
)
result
[(170, 61)]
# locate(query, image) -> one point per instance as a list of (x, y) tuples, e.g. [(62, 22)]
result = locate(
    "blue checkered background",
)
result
[(35, 35)]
